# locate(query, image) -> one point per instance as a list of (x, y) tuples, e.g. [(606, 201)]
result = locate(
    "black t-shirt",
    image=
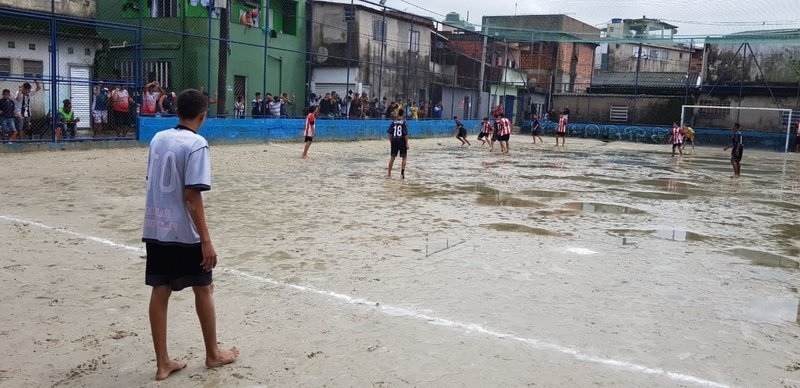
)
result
[(459, 124), (7, 108), (398, 130)]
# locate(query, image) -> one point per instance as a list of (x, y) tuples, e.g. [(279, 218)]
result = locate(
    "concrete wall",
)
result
[(259, 130), (621, 58), (660, 135), (79, 8), (404, 73)]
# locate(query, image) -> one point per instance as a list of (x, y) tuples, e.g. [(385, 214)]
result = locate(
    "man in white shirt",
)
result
[(22, 107)]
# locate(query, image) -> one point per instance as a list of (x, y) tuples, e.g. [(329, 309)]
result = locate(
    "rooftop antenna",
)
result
[(467, 15), (515, 8)]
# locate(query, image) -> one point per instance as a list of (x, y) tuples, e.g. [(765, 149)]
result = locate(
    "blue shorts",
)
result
[(8, 124)]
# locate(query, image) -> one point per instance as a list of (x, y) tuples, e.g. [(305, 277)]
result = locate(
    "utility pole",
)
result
[(383, 49), (482, 74), (349, 18), (636, 84), (224, 47)]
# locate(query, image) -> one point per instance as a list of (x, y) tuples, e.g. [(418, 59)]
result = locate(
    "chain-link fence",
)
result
[(116, 61)]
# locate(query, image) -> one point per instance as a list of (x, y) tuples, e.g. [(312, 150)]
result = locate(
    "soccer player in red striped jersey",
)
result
[(561, 130), (310, 130), (505, 132), (486, 132)]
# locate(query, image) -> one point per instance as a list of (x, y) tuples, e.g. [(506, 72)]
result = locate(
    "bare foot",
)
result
[(162, 372), (223, 357), (304, 157)]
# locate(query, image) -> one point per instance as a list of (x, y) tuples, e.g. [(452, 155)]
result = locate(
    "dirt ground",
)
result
[(606, 264)]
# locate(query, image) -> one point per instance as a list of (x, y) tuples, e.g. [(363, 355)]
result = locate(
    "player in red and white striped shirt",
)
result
[(561, 130), (310, 130), (504, 126)]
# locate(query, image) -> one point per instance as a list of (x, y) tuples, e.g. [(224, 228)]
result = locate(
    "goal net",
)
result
[(773, 122)]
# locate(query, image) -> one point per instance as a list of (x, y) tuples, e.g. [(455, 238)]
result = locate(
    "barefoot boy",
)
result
[(737, 148), (178, 243), (310, 129), (462, 132), (398, 137), (486, 130), (676, 135)]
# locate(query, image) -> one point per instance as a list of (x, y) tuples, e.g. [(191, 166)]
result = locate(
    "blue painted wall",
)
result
[(221, 130), (660, 135), (229, 130)]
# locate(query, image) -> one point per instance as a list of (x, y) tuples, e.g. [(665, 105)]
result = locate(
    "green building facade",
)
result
[(180, 47)]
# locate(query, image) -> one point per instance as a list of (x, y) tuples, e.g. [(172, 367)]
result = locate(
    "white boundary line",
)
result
[(396, 311)]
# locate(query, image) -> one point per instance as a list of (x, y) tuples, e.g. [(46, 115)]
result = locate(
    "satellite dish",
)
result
[(322, 54)]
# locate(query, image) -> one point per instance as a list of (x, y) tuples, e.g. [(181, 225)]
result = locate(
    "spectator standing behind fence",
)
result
[(287, 103), (8, 123), (437, 110), (152, 92), (22, 107), (121, 114), (238, 108), (275, 107), (100, 109), (326, 107), (166, 104), (257, 106), (66, 121)]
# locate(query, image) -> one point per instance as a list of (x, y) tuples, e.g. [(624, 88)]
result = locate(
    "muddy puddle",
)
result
[(665, 234), (602, 208), (765, 259), (517, 228)]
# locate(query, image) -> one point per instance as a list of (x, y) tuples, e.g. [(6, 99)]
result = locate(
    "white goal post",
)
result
[(788, 112)]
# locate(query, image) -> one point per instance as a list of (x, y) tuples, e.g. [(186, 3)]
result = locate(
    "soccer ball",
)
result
[(439, 143)]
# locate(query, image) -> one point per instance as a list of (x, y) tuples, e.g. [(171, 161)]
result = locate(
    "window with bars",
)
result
[(160, 71), (379, 30), (5, 67), (32, 69), (163, 8), (413, 41)]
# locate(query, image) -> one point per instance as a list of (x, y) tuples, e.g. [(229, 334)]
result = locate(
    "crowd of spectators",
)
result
[(354, 106)]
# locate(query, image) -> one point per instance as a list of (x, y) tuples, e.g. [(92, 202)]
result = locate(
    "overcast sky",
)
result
[(694, 18)]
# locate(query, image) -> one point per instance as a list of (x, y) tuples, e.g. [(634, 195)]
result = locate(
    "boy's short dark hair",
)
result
[(67, 101), (191, 104), (6, 91), (258, 94), (26, 86), (485, 119), (736, 125)]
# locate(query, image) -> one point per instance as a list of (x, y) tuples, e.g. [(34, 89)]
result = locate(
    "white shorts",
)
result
[(100, 116)]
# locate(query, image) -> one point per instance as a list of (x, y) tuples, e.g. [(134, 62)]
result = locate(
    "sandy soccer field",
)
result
[(608, 264)]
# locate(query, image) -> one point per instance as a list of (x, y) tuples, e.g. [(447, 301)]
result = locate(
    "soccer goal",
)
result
[(769, 120)]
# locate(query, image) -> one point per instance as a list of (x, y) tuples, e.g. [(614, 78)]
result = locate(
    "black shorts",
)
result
[(536, 131), (482, 135), (736, 154), (309, 138), (462, 132), (177, 266), (495, 136), (562, 134), (503, 137), (399, 147), (119, 119), (674, 146)]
